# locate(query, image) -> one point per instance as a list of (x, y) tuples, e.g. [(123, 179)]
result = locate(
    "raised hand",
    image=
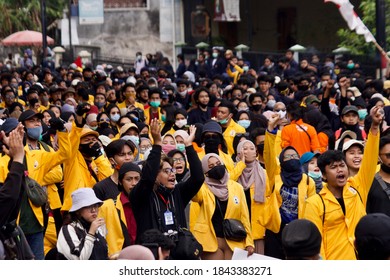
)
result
[(155, 130), (191, 138)]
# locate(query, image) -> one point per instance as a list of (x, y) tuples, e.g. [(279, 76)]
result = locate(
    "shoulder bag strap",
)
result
[(384, 186)]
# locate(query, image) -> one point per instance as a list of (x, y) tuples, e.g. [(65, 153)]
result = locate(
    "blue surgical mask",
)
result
[(115, 117), (224, 121), (362, 113), (244, 123), (35, 132), (132, 138), (315, 175), (181, 147), (155, 104)]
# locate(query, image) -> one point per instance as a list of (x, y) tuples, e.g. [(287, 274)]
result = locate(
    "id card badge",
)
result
[(168, 216)]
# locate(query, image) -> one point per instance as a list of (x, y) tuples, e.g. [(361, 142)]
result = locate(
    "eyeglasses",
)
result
[(387, 155), (93, 207), (292, 156), (169, 171), (179, 159), (104, 120), (280, 110), (246, 134)]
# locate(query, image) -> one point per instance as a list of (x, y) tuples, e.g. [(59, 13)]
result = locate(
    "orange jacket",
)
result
[(293, 135)]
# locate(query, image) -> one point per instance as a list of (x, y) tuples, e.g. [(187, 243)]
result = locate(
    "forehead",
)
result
[(166, 165), (132, 174), (88, 138), (248, 145), (177, 155), (213, 160), (168, 138), (290, 152)]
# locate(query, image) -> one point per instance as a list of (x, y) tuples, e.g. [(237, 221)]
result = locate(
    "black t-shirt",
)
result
[(377, 200), (106, 189), (218, 217)]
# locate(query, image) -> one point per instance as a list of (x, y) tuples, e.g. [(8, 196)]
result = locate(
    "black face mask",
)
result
[(104, 125), (217, 172), (203, 106), (260, 148), (256, 107), (87, 150), (211, 145), (292, 165), (303, 88), (385, 168)]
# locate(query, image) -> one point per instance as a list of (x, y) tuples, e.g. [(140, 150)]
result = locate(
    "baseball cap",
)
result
[(352, 142), (347, 133), (306, 157), (8, 125), (311, 99), (349, 108), (355, 90), (29, 114)]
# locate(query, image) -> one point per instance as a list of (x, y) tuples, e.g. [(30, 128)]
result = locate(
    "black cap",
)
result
[(372, 237), (28, 114), (8, 125), (301, 238), (349, 108)]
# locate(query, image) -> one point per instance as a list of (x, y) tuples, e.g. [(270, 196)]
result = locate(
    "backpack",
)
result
[(14, 243)]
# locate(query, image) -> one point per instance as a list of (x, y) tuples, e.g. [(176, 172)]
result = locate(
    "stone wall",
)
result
[(126, 32)]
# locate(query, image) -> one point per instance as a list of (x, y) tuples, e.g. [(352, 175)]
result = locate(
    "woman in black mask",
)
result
[(289, 189), (103, 122), (215, 143), (220, 198)]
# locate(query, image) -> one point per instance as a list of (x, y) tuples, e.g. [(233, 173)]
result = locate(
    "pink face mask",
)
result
[(167, 148)]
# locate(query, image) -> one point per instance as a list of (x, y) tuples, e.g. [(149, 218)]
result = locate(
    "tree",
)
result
[(355, 42), (17, 15)]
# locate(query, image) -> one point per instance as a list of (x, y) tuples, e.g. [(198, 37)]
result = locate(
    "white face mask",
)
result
[(182, 93), (282, 114), (181, 123), (271, 103)]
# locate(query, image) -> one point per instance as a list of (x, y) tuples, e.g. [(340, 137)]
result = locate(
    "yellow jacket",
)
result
[(234, 171), (76, 173), (236, 74), (236, 209), (147, 116), (136, 104), (257, 211), (44, 167), (229, 133), (114, 236), (338, 230), (306, 188)]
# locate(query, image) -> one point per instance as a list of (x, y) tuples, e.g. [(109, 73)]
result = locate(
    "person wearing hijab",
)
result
[(254, 182), (220, 198), (84, 237), (290, 188), (180, 136), (180, 164), (168, 143)]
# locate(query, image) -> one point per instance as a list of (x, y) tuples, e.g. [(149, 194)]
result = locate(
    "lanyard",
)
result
[(164, 200)]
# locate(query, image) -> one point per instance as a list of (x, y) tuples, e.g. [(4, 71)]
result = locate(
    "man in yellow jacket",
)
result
[(229, 127), (87, 164), (341, 203), (43, 167)]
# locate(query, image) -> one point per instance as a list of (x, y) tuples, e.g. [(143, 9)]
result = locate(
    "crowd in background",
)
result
[(297, 151)]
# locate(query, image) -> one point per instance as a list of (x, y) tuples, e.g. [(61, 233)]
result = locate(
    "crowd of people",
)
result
[(291, 160)]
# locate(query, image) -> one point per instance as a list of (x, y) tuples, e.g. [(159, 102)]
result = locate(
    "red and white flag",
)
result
[(353, 20)]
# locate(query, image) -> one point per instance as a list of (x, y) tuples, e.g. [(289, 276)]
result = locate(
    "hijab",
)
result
[(218, 187), (291, 170), (253, 173)]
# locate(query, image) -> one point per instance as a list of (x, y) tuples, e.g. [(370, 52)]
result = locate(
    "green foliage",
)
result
[(17, 15), (355, 42)]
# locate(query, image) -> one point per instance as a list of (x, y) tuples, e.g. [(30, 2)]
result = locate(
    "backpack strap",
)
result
[(383, 184), (323, 204)]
